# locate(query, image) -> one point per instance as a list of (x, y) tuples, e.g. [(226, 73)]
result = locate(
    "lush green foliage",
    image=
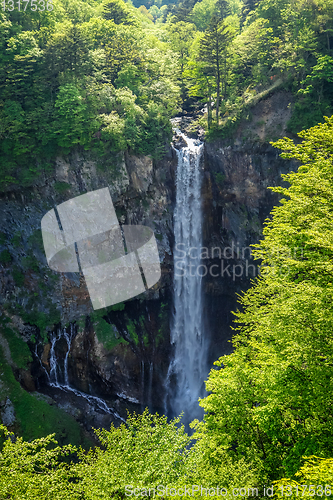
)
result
[(102, 77), (19, 350), (88, 78), (317, 472), (35, 470), (269, 44), (35, 418), (271, 399), (145, 454), (148, 451)]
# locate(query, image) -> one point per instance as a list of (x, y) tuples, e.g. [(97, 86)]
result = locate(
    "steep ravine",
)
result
[(122, 354)]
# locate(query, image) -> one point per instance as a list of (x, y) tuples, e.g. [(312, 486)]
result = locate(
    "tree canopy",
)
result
[(271, 398)]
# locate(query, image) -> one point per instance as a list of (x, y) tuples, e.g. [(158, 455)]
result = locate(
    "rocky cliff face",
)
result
[(122, 353), (238, 172), (108, 357)]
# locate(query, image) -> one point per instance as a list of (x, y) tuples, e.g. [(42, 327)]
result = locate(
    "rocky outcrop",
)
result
[(142, 192)]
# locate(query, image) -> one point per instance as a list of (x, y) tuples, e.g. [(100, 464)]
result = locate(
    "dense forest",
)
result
[(108, 76), (105, 77)]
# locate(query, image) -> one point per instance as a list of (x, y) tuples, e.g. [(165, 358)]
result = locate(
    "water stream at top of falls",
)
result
[(188, 368)]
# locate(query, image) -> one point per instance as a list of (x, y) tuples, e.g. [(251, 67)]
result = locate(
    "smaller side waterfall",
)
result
[(53, 376), (69, 338), (58, 376)]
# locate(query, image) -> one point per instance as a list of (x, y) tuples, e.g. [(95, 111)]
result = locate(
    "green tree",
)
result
[(155, 12), (118, 12), (122, 49), (202, 13), (181, 35), (143, 9), (317, 472), (72, 118), (322, 72), (248, 6), (146, 452), (66, 56), (213, 52), (254, 53), (183, 10), (200, 85), (35, 469), (324, 22), (271, 398), (222, 8)]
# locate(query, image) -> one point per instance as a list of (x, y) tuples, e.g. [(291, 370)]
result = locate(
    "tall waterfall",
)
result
[(188, 368)]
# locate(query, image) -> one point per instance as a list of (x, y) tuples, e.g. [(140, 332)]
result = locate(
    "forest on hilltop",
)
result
[(107, 76)]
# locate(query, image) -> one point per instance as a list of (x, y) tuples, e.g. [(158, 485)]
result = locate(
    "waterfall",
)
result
[(188, 368), (68, 338), (59, 378), (53, 377)]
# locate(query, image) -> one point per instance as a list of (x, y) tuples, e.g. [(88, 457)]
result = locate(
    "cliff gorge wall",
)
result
[(122, 353), (108, 357), (238, 172)]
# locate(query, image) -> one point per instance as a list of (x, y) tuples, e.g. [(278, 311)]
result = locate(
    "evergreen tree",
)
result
[(184, 9), (66, 56), (181, 35), (118, 11), (213, 52), (248, 6), (222, 9)]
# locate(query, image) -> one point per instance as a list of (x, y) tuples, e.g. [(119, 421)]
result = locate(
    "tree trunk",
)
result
[(218, 83), (209, 112), (217, 101)]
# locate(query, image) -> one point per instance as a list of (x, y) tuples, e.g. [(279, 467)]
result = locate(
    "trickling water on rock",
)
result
[(188, 368), (58, 377)]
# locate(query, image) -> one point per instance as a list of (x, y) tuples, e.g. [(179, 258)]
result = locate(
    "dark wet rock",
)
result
[(179, 142)]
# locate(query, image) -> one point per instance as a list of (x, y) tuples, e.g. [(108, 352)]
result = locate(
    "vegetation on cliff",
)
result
[(271, 400)]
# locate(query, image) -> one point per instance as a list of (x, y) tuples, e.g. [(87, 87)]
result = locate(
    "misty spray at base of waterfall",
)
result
[(188, 367)]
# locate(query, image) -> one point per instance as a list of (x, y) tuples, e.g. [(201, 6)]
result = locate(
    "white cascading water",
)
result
[(53, 376), (69, 337), (188, 368), (55, 373)]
